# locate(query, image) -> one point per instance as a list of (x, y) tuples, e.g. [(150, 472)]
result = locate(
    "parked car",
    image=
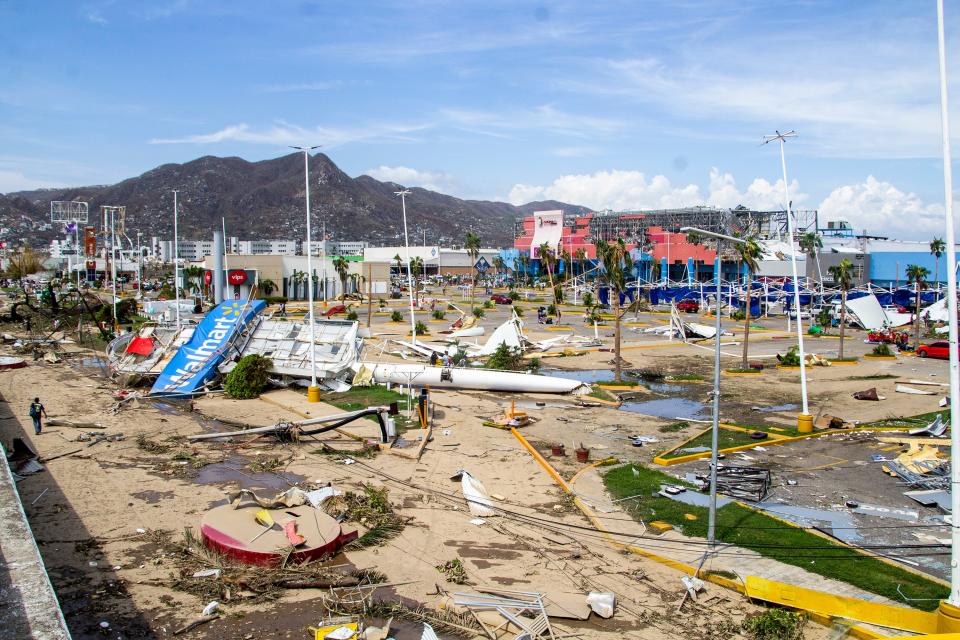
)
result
[(804, 314), (501, 299), (939, 350), (688, 306)]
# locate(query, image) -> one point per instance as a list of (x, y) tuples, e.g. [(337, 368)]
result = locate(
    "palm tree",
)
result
[(937, 248), (695, 239), (498, 264), (549, 259), (917, 275), (523, 260), (750, 253), (297, 278), (399, 262), (268, 286), (416, 270), (472, 246), (580, 257), (843, 277), (810, 244), (616, 265), (341, 266)]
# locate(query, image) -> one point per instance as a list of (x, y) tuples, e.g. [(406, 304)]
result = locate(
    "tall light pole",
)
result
[(176, 258), (403, 193), (950, 609), (139, 270), (715, 431), (804, 420), (113, 264), (313, 391)]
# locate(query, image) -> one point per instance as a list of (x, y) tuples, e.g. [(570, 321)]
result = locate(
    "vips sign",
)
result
[(196, 362), (207, 277), (237, 277), (90, 242)]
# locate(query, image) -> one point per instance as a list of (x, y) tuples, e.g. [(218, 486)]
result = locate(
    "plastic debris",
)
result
[(207, 573), (211, 608), (601, 603)]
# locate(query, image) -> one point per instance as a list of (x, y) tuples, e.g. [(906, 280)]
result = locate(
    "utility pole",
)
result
[(313, 392), (949, 619), (403, 193), (176, 258), (804, 420)]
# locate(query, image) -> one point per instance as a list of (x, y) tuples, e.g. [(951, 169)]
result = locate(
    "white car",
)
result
[(804, 314)]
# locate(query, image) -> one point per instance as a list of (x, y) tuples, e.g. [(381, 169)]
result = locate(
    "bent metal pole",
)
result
[(949, 235)]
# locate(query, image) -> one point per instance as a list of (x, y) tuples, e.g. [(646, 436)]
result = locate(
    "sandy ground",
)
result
[(99, 496)]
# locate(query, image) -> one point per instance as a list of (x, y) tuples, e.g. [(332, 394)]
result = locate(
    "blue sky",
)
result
[(612, 104)]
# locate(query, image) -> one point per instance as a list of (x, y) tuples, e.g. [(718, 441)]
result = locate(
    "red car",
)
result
[(688, 306), (500, 299), (934, 350)]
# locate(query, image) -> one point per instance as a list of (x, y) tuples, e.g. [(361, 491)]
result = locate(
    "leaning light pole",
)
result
[(949, 613), (403, 193), (313, 391), (715, 430), (176, 259), (804, 420)]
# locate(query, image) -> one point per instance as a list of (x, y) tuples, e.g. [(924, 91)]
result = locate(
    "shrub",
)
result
[(775, 624), (587, 300), (478, 312), (824, 317), (882, 349), (352, 315), (738, 315), (421, 328), (396, 316), (489, 304), (552, 309), (248, 378), (791, 358), (506, 359), (513, 295), (518, 311), (439, 314), (274, 299)]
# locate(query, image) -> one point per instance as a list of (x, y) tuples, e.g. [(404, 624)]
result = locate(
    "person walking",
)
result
[(36, 410)]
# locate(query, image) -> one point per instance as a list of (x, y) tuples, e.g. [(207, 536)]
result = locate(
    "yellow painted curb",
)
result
[(842, 362), (742, 373), (870, 357)]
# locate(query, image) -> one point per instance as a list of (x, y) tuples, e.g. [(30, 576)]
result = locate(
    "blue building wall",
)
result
[(888, 268)]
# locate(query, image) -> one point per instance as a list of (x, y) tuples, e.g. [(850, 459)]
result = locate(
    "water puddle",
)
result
[(669, 408), (580, 375), (665, 387), (776, 408), (235, 470)]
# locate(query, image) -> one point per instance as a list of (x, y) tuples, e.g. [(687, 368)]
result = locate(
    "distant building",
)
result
[(436, 260), (268, 247)]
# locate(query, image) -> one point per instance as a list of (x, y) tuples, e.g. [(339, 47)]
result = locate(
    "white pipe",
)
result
[(954, 598)]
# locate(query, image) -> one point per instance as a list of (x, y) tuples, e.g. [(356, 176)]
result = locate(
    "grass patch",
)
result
[(363, 397), (769, 537), (686, 376), (775, 624), (747, 370), (673, 428), (621, 383), (875, 376), (601, 394), (843, 359), (912, 421), (726, 438), (363, 452)]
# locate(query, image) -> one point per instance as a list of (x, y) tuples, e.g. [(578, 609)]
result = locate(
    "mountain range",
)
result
[(265, 199)]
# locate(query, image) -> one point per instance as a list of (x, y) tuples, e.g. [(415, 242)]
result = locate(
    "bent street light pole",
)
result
[(313, 393), (715, 430), (406, 243), (804, 420), (954, 599)]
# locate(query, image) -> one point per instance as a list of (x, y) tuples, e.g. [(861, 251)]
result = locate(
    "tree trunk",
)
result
[(936, 272), (746, 327), (843, 319), (369, 293), (617, 362), (916, 330)]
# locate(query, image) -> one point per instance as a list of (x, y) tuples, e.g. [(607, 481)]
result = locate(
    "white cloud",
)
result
[(575, 152), (12, 180), (623, 190), (542, 118), (283, 133), (408, 177), (879, 207)]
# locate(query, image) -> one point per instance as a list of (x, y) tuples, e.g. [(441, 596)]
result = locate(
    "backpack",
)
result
[(35, 410)]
